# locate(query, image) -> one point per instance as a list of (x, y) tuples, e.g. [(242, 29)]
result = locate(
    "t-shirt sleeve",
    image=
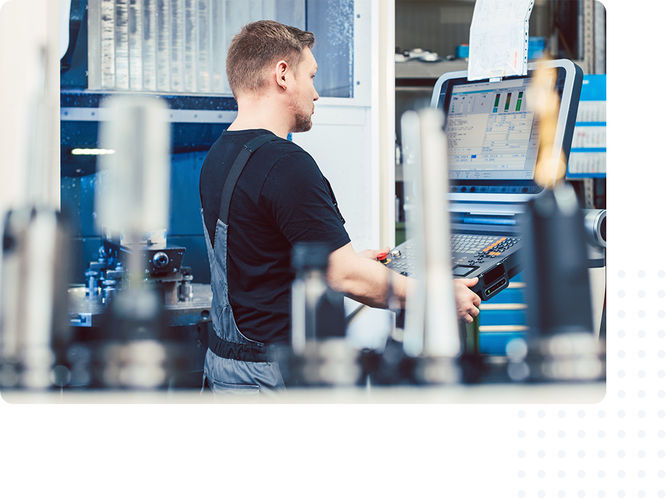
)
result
[(298, 196)]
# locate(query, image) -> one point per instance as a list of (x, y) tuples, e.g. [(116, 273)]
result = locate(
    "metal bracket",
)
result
[(75, 114), (81, 319), (589, 193), (588, 35)]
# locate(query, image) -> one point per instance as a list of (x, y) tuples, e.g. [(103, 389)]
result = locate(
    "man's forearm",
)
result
[(370, 285), (365, 280)]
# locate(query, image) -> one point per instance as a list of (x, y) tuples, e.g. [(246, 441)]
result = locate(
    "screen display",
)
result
[(491, 132)]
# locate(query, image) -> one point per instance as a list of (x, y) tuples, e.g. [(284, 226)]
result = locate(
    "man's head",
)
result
[(267, 55)]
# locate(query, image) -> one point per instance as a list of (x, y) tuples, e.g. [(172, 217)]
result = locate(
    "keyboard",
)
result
[(474, 247), (466, 250)]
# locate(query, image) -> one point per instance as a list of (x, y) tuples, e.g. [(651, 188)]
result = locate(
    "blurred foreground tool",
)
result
[(132, 206), (35, 270), (561, 344), (319, 354), (431, 336), (543, 99), (138, 321)]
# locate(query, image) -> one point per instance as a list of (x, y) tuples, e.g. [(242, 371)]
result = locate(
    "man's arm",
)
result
[(361, 277)]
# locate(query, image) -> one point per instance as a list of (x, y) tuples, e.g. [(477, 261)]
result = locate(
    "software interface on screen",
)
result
[(491, 133)]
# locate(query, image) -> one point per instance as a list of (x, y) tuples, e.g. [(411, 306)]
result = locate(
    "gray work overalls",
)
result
[(233, 363)]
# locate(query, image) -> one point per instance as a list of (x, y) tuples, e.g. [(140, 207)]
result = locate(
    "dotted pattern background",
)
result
[(616, 448)]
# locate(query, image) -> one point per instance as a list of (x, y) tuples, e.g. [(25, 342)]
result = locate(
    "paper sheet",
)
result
[(499, 38)]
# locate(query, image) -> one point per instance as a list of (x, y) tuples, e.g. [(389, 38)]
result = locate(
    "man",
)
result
[(260, 195)]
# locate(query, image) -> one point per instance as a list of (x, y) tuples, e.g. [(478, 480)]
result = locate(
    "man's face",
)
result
[(304, 95)]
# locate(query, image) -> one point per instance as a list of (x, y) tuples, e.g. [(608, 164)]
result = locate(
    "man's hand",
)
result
[(467, 301)]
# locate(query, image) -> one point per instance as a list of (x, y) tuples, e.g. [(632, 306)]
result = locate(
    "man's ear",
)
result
[(281, 74)]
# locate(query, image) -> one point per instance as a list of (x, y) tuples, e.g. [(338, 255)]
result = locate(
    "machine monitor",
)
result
[(492, 133), (492, 139)]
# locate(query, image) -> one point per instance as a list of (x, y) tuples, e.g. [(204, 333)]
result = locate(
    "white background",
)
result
[(613, 449)]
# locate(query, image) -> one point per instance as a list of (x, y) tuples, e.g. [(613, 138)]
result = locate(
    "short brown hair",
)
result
[(260, 44)]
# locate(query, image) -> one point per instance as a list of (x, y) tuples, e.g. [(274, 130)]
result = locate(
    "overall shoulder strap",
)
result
[(235, 172)]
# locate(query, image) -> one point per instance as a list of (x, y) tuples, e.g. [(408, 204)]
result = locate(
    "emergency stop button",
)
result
[(382, 257)]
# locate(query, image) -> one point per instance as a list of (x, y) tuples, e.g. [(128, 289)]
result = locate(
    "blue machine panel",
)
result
[(185, 226)]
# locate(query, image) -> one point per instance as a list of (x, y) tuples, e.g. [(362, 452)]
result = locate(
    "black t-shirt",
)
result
[(281, 198)]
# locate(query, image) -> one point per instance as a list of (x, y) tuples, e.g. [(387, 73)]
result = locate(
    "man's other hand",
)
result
[(467, 301)]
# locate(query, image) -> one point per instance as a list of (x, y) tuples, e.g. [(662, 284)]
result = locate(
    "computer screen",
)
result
[(491, 132)]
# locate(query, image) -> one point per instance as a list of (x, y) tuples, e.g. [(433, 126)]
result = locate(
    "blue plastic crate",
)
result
[(509, 296), (536, 46), (502, 317), (495, 343)]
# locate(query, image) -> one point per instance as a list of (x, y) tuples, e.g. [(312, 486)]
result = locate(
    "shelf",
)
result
[(419, 70), (431, 70)]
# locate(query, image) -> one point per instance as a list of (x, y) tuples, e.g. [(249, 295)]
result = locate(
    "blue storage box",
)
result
[(462, 51), (536, 46)]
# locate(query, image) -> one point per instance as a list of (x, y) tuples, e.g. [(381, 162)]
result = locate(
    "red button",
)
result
[(381, 255)]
